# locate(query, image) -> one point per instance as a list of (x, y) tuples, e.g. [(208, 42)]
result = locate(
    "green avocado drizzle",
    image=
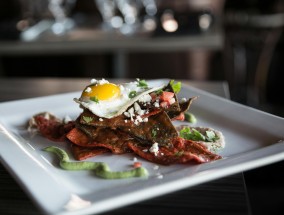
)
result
[(190, 117), (101, 169)]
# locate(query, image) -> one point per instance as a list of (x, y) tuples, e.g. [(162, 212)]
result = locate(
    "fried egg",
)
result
[(108, 100)]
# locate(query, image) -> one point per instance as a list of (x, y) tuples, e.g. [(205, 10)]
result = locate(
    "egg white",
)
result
[(116, 106)]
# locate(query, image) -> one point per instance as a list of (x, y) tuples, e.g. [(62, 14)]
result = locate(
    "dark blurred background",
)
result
[(238, 41)]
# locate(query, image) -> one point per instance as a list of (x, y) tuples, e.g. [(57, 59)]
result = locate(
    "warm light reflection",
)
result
[(205, 21), (169, 23), (149, 24)]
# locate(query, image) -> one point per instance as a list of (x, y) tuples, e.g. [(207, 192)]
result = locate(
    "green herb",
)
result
[(211, 136), (193, 134), (87, 119), (198, 135), (94, 99), (179, 153), (141, 83), (159, 92), (176, 86), (154, 132), (190, 117), (132, 94)]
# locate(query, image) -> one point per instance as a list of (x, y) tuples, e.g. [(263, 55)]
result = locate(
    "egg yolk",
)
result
[(102, 92)]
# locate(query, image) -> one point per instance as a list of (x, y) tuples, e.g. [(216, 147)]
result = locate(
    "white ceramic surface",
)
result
[(253, 139)]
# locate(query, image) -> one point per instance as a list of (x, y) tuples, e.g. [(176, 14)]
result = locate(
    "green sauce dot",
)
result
[(190, 117)]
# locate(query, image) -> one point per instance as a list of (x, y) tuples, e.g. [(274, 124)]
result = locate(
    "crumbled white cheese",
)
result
[(154, 148), (145, 98), (156, 104), (138, 109), (88, 89), (135, 113), (139, 119), (93, 81), (126, 114), (131, 111), (172, 100), (100, 82)]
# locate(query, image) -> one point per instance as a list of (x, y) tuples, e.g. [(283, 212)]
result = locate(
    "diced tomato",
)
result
[(167, 99), (137, 164), (164, 104), (166, 96), (180, 117)]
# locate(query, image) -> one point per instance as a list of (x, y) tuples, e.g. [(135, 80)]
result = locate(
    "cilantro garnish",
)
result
[(159, 92), (193, 134), (154, 132), (94, 99), (179, 153), (141, 83), (87, 119), (132, 94), (176, 86), (211, 136)]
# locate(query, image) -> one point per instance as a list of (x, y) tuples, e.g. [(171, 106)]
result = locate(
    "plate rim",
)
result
[(273, 157)]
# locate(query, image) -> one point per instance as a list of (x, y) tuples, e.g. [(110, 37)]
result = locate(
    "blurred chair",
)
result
[(251, 57)]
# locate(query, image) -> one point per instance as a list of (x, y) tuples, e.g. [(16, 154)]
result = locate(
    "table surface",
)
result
[(84, 41), (223, 196)]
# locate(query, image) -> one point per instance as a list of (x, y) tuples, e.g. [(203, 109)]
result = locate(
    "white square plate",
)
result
[(253, 139)]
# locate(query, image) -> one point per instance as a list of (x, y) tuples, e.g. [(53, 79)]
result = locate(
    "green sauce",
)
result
[(190, 117), (101, 169)]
